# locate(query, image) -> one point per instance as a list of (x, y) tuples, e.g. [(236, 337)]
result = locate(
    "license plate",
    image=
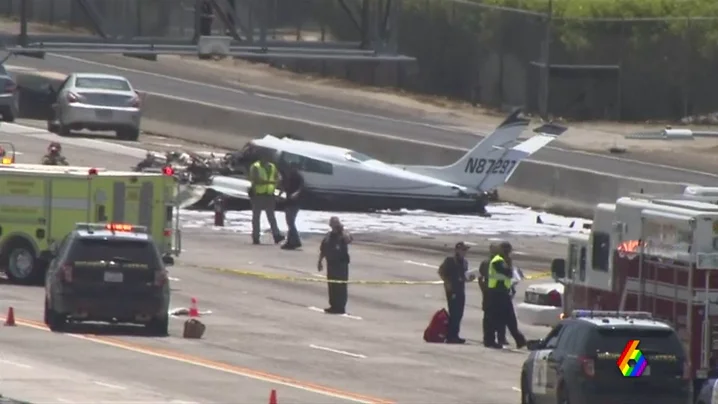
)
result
[(531, 297), (113, 276), (103, 113)]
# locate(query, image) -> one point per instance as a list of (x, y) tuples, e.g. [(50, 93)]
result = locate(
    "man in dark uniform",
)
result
[(491, 335), (293, 186), (500, 277), (335, 249), (453, 272)]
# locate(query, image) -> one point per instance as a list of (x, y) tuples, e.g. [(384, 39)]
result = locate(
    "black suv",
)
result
[(577, 362), (111, 273)]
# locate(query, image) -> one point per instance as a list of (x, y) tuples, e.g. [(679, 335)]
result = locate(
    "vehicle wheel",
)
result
[(159, 326), (63, 130), (8, 115), (21, 264), (53, 127), (526, 397), (128, 134), (54, 320)]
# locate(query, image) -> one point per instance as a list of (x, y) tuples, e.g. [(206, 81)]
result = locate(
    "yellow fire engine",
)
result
[(40, 205)]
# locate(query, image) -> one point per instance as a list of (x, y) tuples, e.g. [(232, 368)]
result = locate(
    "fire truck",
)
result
[(656, 254)]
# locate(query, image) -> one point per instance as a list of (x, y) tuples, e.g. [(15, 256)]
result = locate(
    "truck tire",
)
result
[(54, 320), (159, 326), (21, 265)]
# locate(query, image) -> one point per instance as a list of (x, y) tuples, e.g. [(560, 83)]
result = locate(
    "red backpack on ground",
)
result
[(438, 327)]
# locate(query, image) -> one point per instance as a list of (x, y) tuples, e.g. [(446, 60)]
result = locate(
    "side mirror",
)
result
[(168, 260), (534, 344), (558, 268)]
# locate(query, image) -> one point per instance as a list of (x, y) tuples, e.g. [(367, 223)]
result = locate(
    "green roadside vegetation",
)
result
[(659, 44)]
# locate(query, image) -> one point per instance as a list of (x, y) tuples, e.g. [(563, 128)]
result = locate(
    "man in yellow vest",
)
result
[(501, 308), (264, 177)]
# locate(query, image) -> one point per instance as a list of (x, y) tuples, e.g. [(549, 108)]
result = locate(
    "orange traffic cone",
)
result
[(10, 319), (273, 397), (193, 312)]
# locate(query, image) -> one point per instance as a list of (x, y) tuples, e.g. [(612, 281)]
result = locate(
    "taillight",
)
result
[(72, 98), (66, 273), (135, 102), (10, 86), (554, 298), (687, 371), (161, 278), (588, 366)]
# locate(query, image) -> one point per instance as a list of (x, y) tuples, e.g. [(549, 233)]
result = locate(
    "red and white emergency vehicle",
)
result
[(656, 254)]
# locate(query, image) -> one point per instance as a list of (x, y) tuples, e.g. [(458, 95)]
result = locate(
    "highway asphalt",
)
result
[(151, 77), (263, 334)]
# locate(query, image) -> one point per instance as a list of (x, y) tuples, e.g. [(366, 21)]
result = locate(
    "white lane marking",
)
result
[(338, 351), (514, 388), (174, 279), (267, 96), (127, 69), (236, 372), (374, 134), (318, 275), (110, 386), (421, 264), (20, 365), (183, 402), (63, 400), (318, 310)]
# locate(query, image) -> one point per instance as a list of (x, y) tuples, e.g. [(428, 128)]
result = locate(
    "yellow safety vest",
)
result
[(263, 175), (496, 277)]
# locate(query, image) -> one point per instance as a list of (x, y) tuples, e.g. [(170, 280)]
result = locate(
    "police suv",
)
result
[(603, 357), (111, 273)]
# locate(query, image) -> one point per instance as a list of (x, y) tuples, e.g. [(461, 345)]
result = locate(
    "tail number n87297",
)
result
[(489, 166)]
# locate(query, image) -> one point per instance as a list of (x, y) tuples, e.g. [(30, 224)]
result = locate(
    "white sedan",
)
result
[(97, 102), (542, 304)]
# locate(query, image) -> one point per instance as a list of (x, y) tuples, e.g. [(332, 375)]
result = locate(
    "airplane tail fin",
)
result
[(492, 161), (505, 134), (500, 165)]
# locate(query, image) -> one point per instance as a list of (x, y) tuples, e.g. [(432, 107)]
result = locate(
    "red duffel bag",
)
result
[(438, 327)]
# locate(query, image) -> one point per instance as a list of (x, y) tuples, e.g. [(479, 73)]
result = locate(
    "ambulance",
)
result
[(40, 205)]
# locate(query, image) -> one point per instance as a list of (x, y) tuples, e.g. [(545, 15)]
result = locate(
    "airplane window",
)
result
[(316, 166), (308, 164)]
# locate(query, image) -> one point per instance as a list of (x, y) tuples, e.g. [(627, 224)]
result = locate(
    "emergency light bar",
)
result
[(114, 227), (642, 315)]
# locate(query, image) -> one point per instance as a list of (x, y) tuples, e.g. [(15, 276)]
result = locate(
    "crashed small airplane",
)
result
[(340, 179)]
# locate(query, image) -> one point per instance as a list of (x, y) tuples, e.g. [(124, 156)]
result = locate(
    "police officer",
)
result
[(501, 308), (335, 249), (293, 186), (491, 335), (453, 272), (264, 177)]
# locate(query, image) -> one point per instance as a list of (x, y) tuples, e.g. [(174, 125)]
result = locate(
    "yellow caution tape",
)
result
[(268, 276)]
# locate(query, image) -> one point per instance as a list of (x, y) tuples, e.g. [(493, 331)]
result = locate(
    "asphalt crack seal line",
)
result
[(213, 365), (315, 279)]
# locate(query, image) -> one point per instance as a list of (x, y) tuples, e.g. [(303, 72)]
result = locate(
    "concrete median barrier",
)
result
[(556, 188)]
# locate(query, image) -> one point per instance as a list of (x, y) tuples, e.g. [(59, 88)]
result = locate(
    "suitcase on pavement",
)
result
[(438, 327)]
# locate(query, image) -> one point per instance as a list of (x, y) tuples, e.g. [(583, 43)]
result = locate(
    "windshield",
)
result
[(127, 251), (97, 83)]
